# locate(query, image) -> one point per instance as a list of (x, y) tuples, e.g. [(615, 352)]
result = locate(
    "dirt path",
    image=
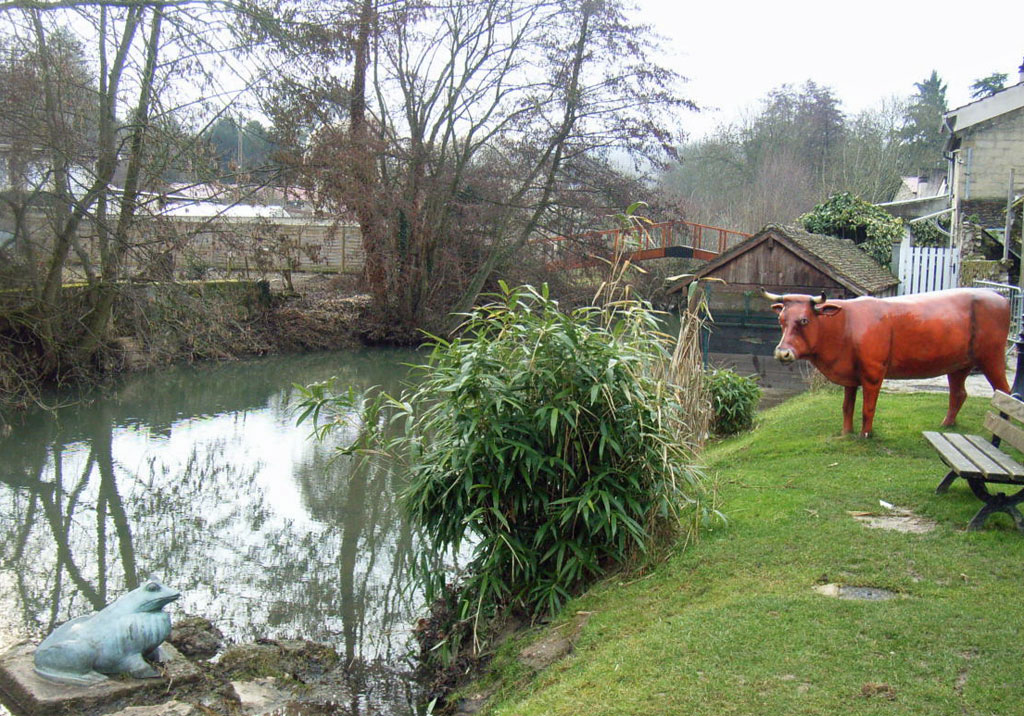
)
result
[(780, 382), (976, 385)]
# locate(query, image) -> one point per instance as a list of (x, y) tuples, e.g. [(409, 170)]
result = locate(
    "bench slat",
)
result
[(951, 454), (1005, 429), (989, 468), (1011, 468), (1009, 405)]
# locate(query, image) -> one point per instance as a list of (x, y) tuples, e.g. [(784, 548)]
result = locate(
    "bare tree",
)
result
[(461, 120), (795, 151), (122, 93)]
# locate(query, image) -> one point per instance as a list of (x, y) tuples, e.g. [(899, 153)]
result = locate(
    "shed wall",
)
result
[(771, 265)]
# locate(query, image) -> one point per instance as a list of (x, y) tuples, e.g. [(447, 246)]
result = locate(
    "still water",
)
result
[(200, 477)]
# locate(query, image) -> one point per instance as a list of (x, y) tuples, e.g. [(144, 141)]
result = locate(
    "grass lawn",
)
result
[(732, 624)]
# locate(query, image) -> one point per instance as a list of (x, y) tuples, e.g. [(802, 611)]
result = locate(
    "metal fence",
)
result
[(1013, 293)]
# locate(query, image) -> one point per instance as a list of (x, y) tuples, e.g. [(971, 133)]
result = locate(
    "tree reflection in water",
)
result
[(201, 477)]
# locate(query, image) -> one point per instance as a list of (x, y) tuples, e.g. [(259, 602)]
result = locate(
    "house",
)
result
[(920, 197), (985, 143), (786, 259), (929, 185), (781, 259)]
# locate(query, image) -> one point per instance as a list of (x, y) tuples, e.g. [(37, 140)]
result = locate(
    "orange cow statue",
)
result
[(862, 341)]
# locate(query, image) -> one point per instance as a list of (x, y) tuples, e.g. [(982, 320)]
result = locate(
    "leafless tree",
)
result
[(453, 128), (790, 154), (101, 99)]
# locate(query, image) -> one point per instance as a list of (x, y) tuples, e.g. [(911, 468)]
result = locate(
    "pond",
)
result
[(199, 476)]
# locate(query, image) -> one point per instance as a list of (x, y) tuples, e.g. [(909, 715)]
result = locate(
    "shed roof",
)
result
[(840, 259)]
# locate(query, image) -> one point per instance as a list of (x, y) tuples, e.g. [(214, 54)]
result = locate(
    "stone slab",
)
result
[(26, 693), (171, 708), (261, 696)]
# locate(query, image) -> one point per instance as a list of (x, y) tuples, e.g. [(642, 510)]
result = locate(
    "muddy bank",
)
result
[(326, 315), (161, 324)]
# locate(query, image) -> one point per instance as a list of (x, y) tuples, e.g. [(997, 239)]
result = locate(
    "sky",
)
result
[(735, 51)]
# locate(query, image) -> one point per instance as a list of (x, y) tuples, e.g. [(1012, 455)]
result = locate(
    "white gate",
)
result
[(925, 268)]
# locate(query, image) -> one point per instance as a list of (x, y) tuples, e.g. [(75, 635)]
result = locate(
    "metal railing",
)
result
[(573, 250), (1013, 293)]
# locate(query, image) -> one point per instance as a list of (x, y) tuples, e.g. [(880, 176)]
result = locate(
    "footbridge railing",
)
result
[(679, 239)]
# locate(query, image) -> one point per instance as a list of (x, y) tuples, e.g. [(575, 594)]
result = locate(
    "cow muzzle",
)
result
[(784, 355)]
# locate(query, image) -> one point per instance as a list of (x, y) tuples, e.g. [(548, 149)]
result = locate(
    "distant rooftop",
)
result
[(198, 209)]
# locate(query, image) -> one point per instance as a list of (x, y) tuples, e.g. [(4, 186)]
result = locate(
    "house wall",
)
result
[(987, 152)]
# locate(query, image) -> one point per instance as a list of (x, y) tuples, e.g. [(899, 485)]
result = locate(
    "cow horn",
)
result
[(773, 297), (817, 300)]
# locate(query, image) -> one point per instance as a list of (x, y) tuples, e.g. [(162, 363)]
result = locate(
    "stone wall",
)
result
[(185, 247), (994, 147), (311, 244)]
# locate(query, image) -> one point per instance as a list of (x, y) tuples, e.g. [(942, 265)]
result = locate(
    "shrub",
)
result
[(849, 217), (733, 399), (926, 233), (549, 447), (542, 440)]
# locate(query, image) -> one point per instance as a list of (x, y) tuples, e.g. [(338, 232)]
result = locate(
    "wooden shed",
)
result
[(781, 259)]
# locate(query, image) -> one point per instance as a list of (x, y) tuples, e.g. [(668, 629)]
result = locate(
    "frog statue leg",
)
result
[(154, 654), (68, 663), (138, 667)]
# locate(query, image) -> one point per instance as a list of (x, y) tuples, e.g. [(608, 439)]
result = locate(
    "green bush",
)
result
[(926, 233), (733, 401), (542, 442)]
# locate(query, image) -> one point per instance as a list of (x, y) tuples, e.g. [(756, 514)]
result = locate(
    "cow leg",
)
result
[(868, 407), (849, 400), (994, 368), (957, 394)]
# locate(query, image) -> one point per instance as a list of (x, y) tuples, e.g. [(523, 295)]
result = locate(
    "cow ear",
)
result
[(828, 309), (777, 307)]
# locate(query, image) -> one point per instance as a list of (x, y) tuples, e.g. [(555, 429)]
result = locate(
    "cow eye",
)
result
[(804, 321)]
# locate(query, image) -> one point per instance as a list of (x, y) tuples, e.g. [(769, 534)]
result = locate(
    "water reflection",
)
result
[(201, 477)]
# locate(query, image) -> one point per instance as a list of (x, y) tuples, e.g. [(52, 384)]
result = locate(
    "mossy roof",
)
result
[(843, 257)]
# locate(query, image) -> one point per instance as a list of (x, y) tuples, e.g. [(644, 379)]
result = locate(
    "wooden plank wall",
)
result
[(771, 265)]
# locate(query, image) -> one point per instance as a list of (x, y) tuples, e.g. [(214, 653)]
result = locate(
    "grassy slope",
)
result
[(732, 626)]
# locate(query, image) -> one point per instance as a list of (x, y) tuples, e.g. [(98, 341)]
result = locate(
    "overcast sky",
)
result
[(735, 51)]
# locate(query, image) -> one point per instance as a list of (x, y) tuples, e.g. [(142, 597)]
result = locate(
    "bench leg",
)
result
[(946, 482), (998, 502)]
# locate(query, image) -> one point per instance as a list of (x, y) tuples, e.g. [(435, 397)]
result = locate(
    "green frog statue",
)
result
[(118, 639)]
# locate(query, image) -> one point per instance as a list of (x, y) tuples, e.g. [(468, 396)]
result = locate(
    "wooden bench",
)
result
[(980, 461)]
